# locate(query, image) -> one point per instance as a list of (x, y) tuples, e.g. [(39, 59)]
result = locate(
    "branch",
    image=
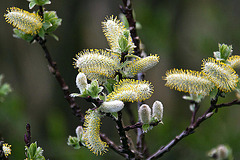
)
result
[(127, 11), (191, 128), (112, 145), (27, 137), (123, 138), (139, 125), (196, 107), (54, 70)]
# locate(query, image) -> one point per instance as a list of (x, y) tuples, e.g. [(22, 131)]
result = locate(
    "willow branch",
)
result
[(27, 136), (125, 148), (54, 70), (112, 145), (127, 11), (192, 127), (139, 125), (194, 112)]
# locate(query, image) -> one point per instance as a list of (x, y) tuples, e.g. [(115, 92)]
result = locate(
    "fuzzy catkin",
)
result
[(92, 133), (140, 65), (113, 29), (97, 64), (29, 23), (221, 74), (130, 90), (193, 82)]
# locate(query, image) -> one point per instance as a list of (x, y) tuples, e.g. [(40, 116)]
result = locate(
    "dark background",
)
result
[(181, 32)]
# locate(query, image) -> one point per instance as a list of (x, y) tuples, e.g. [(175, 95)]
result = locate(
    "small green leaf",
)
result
[(123, 18), (192, 107), (54, 36), (109, 85), (42, 2), (94, 89), (31, 5), (213, 93), (115, 115), (224, 52), (126, 34), (123, 43), (46, 25), (20, 34), (74, 142), (145, 127), (102, 97), (41, 33)]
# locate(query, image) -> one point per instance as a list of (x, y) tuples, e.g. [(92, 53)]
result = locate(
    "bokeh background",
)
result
[(182, 32)]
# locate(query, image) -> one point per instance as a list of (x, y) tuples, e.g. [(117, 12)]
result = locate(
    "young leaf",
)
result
[(145, 127)]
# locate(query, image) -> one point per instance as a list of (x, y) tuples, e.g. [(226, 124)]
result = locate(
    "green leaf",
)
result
[(46, 25), (126, 34), (41, 33), (42, 2), (145, 127), (192, 107), (102, 97), (123, 18), (52, 18), (109, 85), (115, 115), (94, 89), (74, 142), (54, 36), (123, 43), (20, 34), (213, 93), (34, 152), (31, 5), (224, 52)]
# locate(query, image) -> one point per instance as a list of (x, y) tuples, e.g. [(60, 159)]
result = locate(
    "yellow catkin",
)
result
[(92, 133), (97, 64), (234, 61), (221, 74), (193, 82), (113, 29), (130, 90), (141, 65), (29, 23), (6, 149)]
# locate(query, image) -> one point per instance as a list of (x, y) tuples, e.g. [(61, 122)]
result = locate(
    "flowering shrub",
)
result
[(112, 78)]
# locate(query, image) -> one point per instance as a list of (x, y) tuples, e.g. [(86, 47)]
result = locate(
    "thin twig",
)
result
[(123, 138), (27, 136), (191, 128), (54, 70), (194, 112), (112, 145), (127, 11), (139, 125)]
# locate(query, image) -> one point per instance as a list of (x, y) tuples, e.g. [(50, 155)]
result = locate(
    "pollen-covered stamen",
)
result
[(130, 90), (234, 61), (222, 75), (113, 29), (193, 82), (91, 133), (97, 63), (29, 23), (141, 65)]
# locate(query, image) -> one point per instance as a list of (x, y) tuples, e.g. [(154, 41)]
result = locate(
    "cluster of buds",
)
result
[(148, 115)]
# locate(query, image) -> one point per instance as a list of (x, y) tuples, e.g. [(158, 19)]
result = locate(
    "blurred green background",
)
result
[(182, 32)]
